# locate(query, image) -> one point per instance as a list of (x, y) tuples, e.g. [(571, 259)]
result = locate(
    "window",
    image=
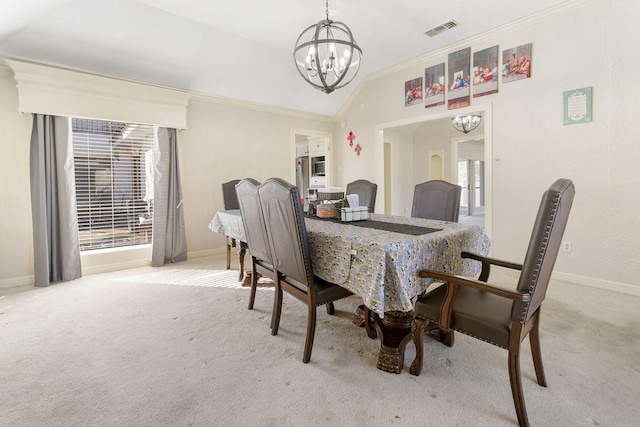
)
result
[(114, 183)]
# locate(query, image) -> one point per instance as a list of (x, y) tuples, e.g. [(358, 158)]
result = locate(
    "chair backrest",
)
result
[(436, 199), (544, 246), (366, 192), (254, 227), (229, 197), (286, 230)]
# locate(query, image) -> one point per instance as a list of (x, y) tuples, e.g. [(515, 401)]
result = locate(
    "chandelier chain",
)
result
[(327, 8)]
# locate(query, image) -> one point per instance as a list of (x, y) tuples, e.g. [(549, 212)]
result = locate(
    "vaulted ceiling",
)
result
[(239, 49)]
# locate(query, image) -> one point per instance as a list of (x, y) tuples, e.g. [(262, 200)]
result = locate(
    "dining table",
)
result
[(379, 259)]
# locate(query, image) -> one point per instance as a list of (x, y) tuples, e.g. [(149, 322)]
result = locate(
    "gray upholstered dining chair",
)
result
[(230, 201), (366, 192), (436, 199), (256, 234), (287, 235), (496, 315)]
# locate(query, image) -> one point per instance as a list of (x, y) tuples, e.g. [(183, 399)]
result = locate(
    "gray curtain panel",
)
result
[(169, 237), (56, 245)]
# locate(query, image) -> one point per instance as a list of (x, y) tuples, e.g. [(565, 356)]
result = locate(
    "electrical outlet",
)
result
[(566, 246)]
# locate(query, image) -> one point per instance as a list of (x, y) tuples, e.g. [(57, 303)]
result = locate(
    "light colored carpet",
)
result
[(177, 346)]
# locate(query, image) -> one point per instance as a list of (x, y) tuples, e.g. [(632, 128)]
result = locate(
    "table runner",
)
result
[(413, 230)]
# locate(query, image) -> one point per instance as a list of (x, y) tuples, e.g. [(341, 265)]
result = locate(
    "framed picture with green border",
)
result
[(578, 105)]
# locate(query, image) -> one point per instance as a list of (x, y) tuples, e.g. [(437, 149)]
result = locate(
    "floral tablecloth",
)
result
[(380, 266)]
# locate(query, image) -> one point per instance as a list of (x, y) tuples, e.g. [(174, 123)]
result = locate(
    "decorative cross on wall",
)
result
[(350, 138)]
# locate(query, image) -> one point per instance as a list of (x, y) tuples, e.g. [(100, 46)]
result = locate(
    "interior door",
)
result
[(463, 181), (471, 179), (476, 196)]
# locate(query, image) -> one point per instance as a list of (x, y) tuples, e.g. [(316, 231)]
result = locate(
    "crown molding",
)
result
[(264, 108)]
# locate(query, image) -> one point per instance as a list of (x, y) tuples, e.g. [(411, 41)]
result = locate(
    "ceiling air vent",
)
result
[(442, 28)]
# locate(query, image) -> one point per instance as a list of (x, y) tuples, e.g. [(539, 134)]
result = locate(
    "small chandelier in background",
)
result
[(326, 55), (467, 123)]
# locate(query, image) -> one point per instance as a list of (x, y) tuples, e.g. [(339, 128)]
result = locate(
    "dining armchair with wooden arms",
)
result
[(287, 234), (230, 201), (436, 199), (256, 234), (366, 192), (496, 315)]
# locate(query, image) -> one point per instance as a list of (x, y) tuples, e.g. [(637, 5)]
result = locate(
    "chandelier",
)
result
[(466, 124), (326, 55)]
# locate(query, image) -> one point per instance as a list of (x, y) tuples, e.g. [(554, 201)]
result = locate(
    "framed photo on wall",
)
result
[(413, 92), (578, 105), (516, 63), (459, 65), (434, 88), (485, 72)]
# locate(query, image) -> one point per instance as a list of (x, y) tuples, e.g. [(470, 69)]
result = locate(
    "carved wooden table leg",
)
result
[(394, 330)]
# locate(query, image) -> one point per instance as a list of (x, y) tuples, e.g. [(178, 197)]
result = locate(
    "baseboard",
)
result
[(17, 281), (206, 253), (598, 283), (105, 268)]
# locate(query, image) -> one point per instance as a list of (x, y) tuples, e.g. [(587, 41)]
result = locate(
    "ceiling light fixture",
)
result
[(467, 123), (326, 55)]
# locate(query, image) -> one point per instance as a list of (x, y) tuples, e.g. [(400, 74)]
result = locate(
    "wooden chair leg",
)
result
[(277, 310), (241, 251), (331, 309), (228, 255), (516, 384), (448, 338), (536, 353), (311, 331), (417, 332), (254, 286), (368, 326)]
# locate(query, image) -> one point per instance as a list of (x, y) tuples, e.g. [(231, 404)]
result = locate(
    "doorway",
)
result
[(417, 168), (311, 163), (469, 173)]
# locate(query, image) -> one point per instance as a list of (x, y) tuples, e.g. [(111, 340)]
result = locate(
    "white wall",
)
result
[(16, 238), (222, 142), (401, 181), (581, 46)]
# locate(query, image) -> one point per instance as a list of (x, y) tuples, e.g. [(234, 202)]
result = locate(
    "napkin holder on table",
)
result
[(354, 212)]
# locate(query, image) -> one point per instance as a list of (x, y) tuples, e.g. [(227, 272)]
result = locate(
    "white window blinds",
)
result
[(114, 182)]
